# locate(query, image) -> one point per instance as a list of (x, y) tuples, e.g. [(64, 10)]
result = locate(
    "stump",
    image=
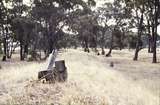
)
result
[(111, 64), (58, 73), (60, 66), (61, 71)]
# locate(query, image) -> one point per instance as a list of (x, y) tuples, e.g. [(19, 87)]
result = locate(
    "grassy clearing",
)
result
[(91, 82)]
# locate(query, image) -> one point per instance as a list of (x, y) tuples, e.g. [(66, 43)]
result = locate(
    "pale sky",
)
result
[(100, 2)]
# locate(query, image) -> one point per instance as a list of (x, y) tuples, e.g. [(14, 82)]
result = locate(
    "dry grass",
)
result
[(91, 82)]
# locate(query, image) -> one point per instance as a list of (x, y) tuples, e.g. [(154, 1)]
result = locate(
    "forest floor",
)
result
[(91, 81)]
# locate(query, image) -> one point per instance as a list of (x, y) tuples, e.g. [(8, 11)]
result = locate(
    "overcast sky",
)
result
[(100, 2)]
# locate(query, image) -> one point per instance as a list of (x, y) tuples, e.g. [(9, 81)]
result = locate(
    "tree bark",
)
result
[(149, 36), (103, 52), (157, 7), (4, 45), (149, 43), (86, 48), (103, 41), (21, 51), (111, 46), (4, 50), (121, 46), (26, 50), (139, 37)]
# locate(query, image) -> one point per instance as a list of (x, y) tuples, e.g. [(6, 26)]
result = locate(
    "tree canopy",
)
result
[(54, 24)]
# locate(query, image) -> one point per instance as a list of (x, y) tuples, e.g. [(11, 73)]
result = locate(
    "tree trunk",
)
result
[(21, 52), (26, 50), (157, 7), (7, 43), (4, 45), (103, 52), (95, 43), (11, 50), (139, 38), (149, 43), (121, 40), (51, 40), (149, 37), (111, 46), (110, 51), (152, 37), (154, 47), (103, 41), (86, 48), (4, 50)]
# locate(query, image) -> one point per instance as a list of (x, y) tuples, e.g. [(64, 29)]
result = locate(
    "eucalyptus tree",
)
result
[(2, 17), (115, 18), (145, 10), (84, 23), (149, 14), (23, 29), (54, 15), (154, 30), (20, 25), (140, 6), (137, 8), (4, 28)]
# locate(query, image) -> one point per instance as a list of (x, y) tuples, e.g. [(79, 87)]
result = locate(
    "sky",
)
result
[(100, 2)]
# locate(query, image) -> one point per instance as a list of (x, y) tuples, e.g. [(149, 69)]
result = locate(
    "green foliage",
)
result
[(43, 25)]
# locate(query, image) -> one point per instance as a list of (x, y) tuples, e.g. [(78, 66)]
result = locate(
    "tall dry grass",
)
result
[(90, 82)]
